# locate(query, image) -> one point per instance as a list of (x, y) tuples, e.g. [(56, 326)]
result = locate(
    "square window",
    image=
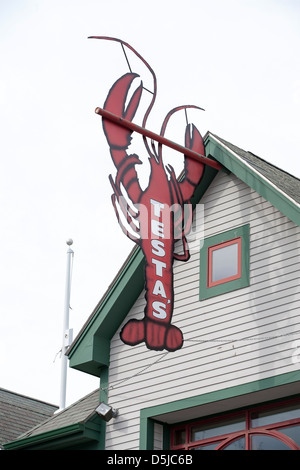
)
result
[(224, 262)]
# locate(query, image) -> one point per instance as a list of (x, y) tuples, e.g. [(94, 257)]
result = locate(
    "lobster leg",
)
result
[(119, 198), (126, 209), (124, 229)]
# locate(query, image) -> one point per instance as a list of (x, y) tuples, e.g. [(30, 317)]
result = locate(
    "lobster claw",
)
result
[(118, 137), (193, 170)]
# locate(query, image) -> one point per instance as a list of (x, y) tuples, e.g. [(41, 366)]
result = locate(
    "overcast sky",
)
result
[(238, 59)]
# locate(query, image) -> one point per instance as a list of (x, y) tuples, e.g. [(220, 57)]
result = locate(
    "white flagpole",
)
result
[(67, 333)]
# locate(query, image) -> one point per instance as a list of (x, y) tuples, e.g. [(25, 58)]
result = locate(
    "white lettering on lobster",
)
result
[(157, 207), (157, 228), (158, 249), (159, 265), (160, 313), (159, 289)]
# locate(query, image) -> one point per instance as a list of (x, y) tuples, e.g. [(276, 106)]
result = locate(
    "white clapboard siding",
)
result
[(210, 351), (230, 339)]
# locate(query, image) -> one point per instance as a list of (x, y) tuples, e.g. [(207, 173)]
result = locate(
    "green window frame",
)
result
[(268, 426), (208, 289)]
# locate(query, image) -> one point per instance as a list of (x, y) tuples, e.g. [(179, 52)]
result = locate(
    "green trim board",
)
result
[(207, 292), (79, 434), (149, 415)]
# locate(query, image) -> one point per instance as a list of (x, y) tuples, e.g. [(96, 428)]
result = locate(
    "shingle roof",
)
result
[(286, 182), (19, 413), (78, 412)]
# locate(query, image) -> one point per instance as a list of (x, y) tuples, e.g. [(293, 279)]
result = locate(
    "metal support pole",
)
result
[(158, 138), (67, 333)]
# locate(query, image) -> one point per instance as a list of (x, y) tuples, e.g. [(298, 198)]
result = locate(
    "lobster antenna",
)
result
[(126, 57), (123, 43), (186, 117)]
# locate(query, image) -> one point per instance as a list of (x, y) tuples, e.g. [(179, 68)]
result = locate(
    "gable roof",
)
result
[(277, 186), (90, 350), (20, 413), (74, 422), (285, 182)]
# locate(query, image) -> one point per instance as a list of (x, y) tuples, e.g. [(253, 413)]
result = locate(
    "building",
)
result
[(19, 414), (235, 382), (75, 427)]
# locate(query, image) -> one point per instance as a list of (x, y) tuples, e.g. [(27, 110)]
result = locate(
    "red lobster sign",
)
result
[(158, 220)]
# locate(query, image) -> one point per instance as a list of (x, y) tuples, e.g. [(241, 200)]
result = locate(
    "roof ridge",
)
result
[(272, 164), (74, 404), (282, 181), (37, 400), (251, 153)]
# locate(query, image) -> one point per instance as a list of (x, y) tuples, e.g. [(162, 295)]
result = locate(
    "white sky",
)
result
[(238, 59)]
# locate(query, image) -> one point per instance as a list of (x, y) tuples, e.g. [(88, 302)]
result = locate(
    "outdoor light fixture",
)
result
[(106, 412)]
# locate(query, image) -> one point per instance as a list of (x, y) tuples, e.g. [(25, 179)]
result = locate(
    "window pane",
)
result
[(238, 444), (205, 431), (293, 432), (224, 262), (207, 446), (267, 443), (179, 437), (275, 416)]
